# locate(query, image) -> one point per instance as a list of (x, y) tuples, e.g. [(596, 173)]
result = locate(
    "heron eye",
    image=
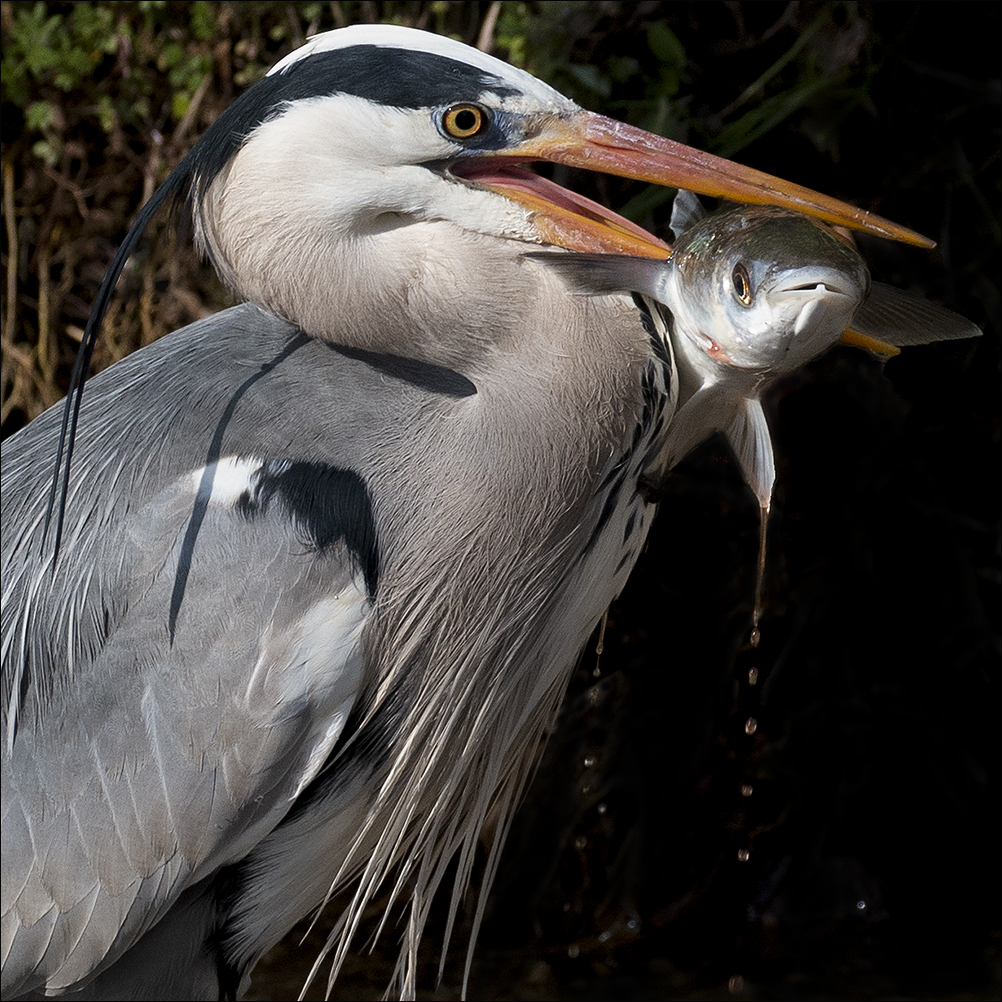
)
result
[(742, 285), (464, 121)]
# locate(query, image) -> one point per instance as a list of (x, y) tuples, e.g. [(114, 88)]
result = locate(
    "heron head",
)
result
[(376, 145)]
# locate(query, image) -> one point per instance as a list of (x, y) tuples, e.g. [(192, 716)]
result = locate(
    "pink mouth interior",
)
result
[(513, 177)]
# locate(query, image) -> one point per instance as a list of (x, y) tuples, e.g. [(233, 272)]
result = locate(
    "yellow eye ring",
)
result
[(741, 281), (464, 121)]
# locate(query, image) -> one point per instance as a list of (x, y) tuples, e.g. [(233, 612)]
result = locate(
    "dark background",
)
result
[(872, 826)]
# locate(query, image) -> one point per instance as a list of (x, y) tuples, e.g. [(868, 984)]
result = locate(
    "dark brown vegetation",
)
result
[(874, 764)]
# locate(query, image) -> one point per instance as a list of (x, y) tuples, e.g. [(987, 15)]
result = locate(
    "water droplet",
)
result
[(743, 855), (603, 937), (600, 643), (746, 790), (751, 725), (602, 808), (752, 676), (632, 924), (763, 522), (589, 761), (596, 672), (580, 842), (574, 951), (861, 905), (736, 984)]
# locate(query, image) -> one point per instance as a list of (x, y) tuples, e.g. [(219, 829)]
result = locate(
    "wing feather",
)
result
[(181, 751)]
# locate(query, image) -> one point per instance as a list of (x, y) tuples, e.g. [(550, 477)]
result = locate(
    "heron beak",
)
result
[(561, 216), (602, 144), (860, 340)]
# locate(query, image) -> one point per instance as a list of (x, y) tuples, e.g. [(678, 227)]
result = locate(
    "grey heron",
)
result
[(328, 556)]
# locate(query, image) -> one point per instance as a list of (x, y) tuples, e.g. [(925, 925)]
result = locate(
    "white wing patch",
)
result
[(227, 479), (318, 656)]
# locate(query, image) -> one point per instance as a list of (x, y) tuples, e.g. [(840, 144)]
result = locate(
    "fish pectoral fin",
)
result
[(708, 410), (748, 435), (604, 274), (889, 317), (742, 422)]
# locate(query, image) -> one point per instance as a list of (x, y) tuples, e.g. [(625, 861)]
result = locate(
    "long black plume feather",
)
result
[(170, 191)]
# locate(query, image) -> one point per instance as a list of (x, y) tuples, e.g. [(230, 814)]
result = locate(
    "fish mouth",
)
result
[(824, 299), (823, 282), (821, 287)]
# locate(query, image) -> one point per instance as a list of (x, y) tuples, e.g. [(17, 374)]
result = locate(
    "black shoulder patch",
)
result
[(326, 504), (425, 375), (398, 78)]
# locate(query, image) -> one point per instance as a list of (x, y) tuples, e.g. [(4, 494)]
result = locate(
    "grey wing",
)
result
[(170, 688)]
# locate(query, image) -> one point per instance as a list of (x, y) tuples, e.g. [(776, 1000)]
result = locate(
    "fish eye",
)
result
[(742, 285), (464, 121)]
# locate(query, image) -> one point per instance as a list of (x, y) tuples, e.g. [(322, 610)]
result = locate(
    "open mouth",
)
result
[(820, 287), (561, 216), (820, 281)]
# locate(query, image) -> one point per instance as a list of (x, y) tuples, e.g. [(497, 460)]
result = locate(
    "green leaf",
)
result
[(40, 115), (665, 44)]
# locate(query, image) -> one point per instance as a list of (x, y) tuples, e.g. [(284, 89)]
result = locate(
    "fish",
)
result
[(749, 294)]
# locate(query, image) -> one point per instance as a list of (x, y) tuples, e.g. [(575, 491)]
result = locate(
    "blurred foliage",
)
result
[(874, 752)]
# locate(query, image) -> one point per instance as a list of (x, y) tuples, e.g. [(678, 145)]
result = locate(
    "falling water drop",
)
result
[(736, 984), (600, 643), (752, 676), (763, 523), (751, 725), (743, 855), (574, 951), (746, 790)]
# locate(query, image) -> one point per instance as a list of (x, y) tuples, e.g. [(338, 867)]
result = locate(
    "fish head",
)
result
[(760, 288)]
